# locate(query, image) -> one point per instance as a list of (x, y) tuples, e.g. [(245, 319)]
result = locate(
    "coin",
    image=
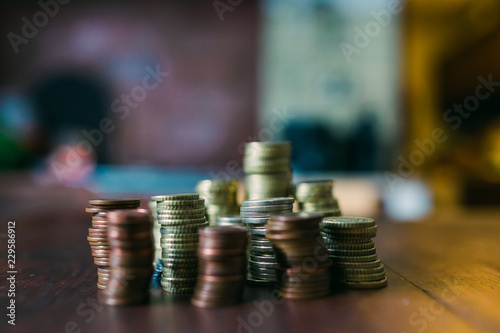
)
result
[(360, 265), (267, 169), (346, 232), (365, 285), (348, 222), (181, 214), (195, 222), (361, 271), (346, 239), (349, 253), (317, 196), (295, 239), (255, 215), (268, 202), (179, 218), (264, 214), (130, 257), (222, 253), (115, 202), (352, 251), (229, 220), (269, 208), (220, 198), (336, 245), (175, 197), (264, 259), (371, 257)]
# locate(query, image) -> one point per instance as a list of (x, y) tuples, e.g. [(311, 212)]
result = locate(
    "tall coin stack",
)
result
[(261, 259), (317, 196), (130, 238), (220, 198), (180, 216), (303, 265), (98, 238), (352, 251), (267, 169), (222, 266)]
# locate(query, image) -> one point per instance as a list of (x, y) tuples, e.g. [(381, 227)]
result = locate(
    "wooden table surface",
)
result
[(444, 276)]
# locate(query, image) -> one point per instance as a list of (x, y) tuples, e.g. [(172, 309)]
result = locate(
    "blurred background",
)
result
[(396, 101)]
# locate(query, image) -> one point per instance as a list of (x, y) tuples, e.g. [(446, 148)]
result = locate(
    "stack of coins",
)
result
[(267, 170), (261, 259), (98, 238), (231, 220), (352, 251), (317, 196), (180, 216), (130, 238), (303, 266), (220, 198), (156, 232), (222, 266)]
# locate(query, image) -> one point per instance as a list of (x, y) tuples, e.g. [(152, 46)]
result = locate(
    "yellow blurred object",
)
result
[(451, 48)]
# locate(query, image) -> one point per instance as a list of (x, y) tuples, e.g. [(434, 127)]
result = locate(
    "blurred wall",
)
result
[(196, 115), (334, 65)]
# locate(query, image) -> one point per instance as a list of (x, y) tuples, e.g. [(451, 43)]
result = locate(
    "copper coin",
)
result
[(121, 253), (311, 234), (129, 216), (115, 234), (117, 201)]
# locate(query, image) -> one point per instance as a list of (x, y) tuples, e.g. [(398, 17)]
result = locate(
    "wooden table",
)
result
[(444, 276)]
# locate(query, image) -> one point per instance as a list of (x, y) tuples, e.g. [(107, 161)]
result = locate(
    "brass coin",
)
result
[(365, 285), (359, 271), (100, 247), (348, 222), (354, 239), (343, 232), (357, 265), (367, 258), (349, 253), (348, 246), (175, 197)]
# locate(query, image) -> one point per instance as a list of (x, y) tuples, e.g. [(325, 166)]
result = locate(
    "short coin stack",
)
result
[(220, 198), (255, 214), (267, 169), (303, 265), (316, 196), (352, 251), (180, 216), (222, 266), (131, 241), (98, 238)]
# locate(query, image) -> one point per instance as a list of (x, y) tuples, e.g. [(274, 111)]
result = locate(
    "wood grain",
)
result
[(443, 277)]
